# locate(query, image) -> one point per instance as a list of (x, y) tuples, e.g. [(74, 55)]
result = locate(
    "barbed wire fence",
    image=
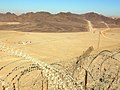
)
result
[(98, 71), (86, 72), (55, 79)]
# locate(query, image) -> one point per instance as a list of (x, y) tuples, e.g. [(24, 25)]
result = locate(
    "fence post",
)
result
[(86, 79)]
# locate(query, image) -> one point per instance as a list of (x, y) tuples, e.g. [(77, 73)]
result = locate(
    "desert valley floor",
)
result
[(60, 47), (53, 47)]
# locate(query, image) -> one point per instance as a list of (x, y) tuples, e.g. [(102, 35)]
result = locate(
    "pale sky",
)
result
[(106, 7)]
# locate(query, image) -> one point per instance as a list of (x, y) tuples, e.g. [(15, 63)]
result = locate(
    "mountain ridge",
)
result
[(60, 22)]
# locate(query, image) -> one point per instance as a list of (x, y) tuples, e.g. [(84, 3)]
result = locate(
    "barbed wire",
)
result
[(57, 78), (91, 71)]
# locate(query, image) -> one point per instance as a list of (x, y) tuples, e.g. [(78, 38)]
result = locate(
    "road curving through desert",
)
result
[(90, 26), (104, 31)]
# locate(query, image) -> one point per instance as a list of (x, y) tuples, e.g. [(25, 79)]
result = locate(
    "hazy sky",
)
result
[(106, 7)]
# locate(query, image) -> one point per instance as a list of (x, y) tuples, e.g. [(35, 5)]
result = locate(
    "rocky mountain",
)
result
[(61, 22), (8, 17), (99, 20)]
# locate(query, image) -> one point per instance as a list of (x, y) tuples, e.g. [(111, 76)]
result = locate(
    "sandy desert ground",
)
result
[(53, 47), (56, 47)]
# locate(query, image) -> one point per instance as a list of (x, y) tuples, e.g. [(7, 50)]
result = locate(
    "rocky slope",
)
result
[(98, 20), (61, 22), (8, 17)]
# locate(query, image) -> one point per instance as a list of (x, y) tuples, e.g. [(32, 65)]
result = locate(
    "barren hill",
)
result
[(98, 19), (8, 17), (61, 22)]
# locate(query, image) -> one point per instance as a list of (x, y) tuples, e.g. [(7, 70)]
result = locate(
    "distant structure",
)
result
[(24, 43)]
